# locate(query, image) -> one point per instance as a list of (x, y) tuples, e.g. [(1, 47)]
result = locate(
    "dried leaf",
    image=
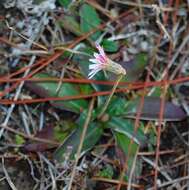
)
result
[(151, 110)]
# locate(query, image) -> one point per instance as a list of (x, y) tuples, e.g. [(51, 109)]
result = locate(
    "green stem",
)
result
[(110, 97)]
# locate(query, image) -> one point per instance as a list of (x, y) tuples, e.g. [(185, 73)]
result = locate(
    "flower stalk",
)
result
[(109, 97)]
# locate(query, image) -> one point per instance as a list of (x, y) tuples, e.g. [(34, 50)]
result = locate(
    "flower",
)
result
[(102, 62)]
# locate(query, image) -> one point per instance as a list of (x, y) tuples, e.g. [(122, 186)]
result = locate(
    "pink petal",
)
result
[(101, 50), (100, 58), (100, 62)]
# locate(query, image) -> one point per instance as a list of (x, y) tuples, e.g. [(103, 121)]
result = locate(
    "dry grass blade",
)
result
[(87, 121), (7, 177)]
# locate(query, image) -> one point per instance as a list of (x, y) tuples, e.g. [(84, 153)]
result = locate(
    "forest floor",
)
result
[(94, 94)]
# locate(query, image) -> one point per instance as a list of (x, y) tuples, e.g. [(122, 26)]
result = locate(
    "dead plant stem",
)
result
[(81, 143)]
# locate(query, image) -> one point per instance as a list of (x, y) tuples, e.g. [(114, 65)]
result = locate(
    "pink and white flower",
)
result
[(102, 62)]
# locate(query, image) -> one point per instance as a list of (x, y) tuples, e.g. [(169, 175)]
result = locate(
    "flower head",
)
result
[(102, 62)]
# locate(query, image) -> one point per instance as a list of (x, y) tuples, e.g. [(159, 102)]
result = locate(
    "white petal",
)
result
[(94, 66), (93, 73), (90, 75), (94, 61), (96, 55)]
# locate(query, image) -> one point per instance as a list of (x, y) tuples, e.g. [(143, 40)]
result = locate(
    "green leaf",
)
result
[(85, 89), (63, 129), (69, 147), (126, 127), (107, 172), (19, 140), (117, 106), (124, 141), (64, 3), (128, 140), (70, 23), (89, 20), (48, 89), (129, 149), (110, 46)]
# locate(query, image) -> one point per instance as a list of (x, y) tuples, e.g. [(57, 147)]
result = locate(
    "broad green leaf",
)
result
[(70, 145), (117, 106), (124, 142), (89, 20), (85, 89), (109, 46), (49, 89), (64, 3), (70, 23), (126, 127), (129, 149), (128, 139)]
